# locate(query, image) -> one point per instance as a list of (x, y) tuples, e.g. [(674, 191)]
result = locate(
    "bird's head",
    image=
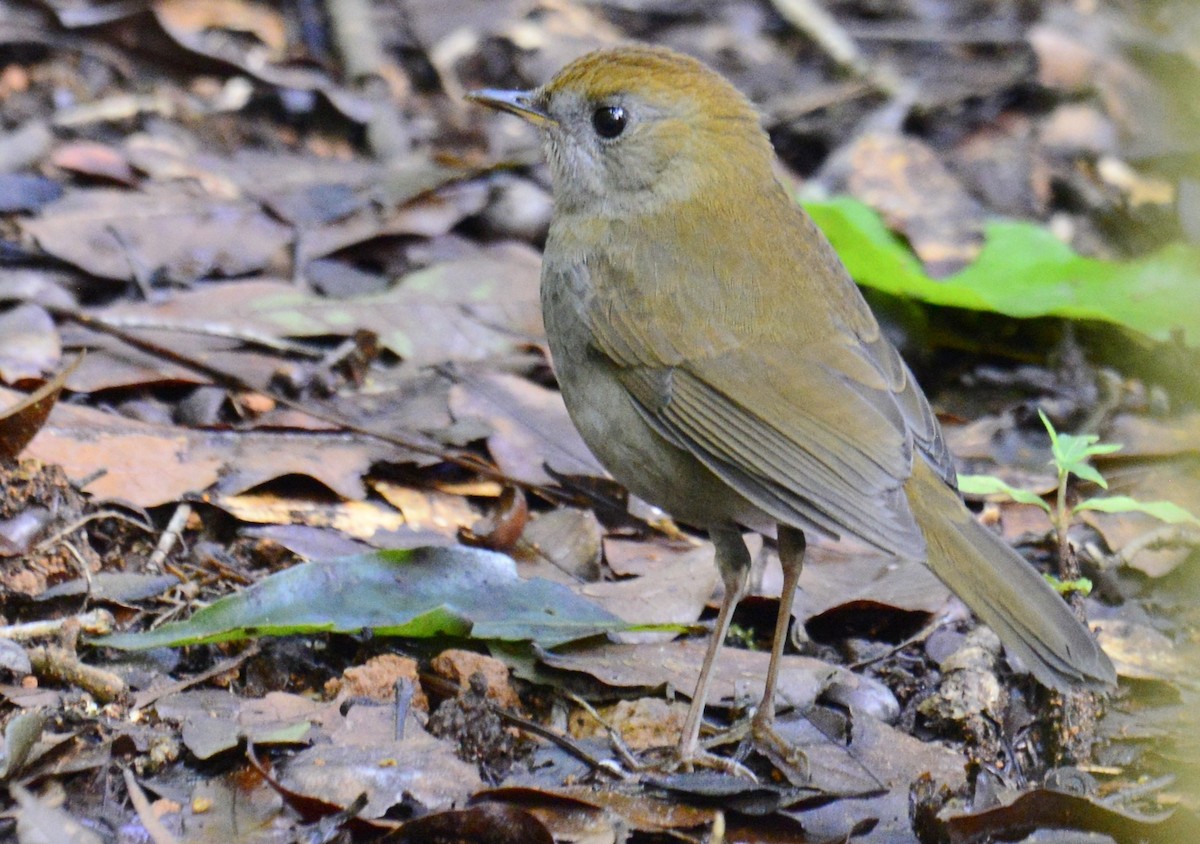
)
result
[(633, 129)]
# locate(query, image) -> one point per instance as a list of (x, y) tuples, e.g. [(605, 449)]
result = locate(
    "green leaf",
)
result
[(1071, 452), (991, 485), (1050, 429), (420, 593), (1087, 473), (1166, 511), (1023, 270), (1064, 587)]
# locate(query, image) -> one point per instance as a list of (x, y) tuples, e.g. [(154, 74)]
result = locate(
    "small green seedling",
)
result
[(1071, 455)]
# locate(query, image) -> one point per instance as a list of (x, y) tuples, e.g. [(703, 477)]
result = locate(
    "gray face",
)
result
[(617, 155)]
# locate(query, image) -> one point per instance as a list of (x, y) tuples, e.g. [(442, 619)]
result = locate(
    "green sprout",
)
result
[(1071, 456)]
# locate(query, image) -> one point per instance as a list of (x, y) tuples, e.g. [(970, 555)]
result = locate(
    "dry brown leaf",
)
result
[(23, 415), (96, 160), (148, 465), (674, 593), (1140, 652), (29, 343), (428, 510), (467, 309), (834, 578), (358, 519), (165, 229), (905, 181), (530, 426), (738, 674), (257, 19), (562, 545)]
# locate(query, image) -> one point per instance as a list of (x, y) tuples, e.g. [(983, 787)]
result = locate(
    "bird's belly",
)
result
[(648, 465)]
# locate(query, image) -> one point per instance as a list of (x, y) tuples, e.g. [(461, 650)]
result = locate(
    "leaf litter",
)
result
[(313, 343)]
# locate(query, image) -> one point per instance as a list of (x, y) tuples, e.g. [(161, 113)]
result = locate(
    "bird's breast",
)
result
[(610, 421)]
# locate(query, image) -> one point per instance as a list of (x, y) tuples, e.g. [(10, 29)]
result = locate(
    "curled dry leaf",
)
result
[(503, 525), (21, 420)]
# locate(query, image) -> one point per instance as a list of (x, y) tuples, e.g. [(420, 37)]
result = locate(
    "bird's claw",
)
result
[(699, 758), (790, 759)]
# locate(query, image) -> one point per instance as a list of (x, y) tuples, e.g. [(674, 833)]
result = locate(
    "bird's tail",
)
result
[(1005, 592)]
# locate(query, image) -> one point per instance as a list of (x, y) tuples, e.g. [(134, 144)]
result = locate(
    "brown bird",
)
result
[(720, 362)]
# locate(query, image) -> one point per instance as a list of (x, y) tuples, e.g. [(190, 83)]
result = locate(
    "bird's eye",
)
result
[(609, 122)]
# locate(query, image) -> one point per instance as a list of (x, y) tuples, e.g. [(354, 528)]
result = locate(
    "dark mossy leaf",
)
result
[(419, 593)]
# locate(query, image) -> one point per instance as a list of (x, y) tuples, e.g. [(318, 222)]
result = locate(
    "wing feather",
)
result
[(816, 422), (794, 464)]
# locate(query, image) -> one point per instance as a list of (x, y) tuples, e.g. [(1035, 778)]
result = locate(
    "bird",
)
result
[(718, 359)]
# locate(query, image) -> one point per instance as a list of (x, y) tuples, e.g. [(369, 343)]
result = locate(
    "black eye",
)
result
[(609, 121)]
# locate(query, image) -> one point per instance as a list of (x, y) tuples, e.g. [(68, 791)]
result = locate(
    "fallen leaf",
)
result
[(529, 425), (163, 230), (467, 309), (256, 19), (29, 344), (150, 465), (739, 674), (213, 721), (675, 593), (23, 416), (495, 824), (420, 593), (904, 180), (1043, 809), (1138, 651)]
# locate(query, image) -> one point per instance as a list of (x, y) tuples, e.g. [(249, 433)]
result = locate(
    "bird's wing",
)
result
[(816, 432)]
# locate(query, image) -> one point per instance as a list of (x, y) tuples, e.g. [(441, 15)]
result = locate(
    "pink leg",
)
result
[(734, 562), (791, 557)]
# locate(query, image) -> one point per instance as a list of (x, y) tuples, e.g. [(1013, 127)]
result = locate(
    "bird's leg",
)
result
[(733, 560), (762, 727)]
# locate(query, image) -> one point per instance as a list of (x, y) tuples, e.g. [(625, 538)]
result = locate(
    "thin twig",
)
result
[(565, 742), (920, 636), (149, 696), (465, 460), (142, 274), (59, 535), (96, 622), (131, 322), (170, 536), (154, 827), (614, 735), (812, 19), (55, 662), (984, 36), (84, 570), (572, 748)]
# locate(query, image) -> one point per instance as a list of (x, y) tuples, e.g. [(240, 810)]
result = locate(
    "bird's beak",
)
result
[(521, 103)]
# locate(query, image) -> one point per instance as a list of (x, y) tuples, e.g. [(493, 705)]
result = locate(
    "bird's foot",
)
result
[(689, 759), (790, 759)]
